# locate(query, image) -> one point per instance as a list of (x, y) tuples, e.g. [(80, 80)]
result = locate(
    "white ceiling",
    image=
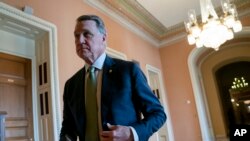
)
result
[(171, 12)]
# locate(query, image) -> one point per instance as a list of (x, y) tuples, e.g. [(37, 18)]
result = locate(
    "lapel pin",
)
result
[(110, 71)]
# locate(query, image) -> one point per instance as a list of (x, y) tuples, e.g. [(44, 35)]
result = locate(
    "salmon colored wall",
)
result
[(179, 91), (133, 46)]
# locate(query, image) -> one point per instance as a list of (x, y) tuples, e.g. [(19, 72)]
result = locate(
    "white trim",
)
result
[(52, 32), (200, 99), (116, 54), (35, 99), (172, 40), (164, 98)]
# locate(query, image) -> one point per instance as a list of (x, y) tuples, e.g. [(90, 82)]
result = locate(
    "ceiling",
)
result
[(160, 22)]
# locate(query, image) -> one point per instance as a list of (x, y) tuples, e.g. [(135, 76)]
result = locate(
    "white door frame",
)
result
[(164, 98), (49, 28)]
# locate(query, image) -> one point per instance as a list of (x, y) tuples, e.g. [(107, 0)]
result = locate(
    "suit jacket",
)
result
[(125, 95)]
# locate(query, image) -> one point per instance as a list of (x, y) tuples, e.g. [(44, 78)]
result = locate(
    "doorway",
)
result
[(203, 63), (16, 97), (29, 37), (156, 83), (234, 100)]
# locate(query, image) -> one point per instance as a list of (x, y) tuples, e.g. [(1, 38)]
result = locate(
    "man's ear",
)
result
[(104, 37)]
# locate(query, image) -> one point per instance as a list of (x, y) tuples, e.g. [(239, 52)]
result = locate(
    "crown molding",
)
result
[(121, 20)]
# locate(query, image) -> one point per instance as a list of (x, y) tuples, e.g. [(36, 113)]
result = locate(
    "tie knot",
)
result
[(91, 69), (91, 73)]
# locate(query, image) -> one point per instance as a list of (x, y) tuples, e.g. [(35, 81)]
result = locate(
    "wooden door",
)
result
[(16, 97), (44, 89)]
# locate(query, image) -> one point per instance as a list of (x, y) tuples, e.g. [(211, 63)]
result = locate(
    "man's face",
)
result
[(90, 43)]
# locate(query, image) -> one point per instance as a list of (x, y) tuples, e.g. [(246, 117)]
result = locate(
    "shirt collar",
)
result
[(98, 63)]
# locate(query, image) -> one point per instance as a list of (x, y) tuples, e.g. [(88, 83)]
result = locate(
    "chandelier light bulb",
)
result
[(191, 39), (192, 16), (237, 26), (229, 21), (199, 43), (196, 31), (230, 34), (232, 10), (232, 100), (225, 5)]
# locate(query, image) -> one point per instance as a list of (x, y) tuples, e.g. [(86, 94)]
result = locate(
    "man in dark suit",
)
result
[(125, 108)]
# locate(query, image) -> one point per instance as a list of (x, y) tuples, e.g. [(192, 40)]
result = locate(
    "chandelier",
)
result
[(214, 30), (239, 83)]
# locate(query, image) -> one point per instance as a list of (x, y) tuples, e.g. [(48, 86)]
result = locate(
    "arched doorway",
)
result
[(234, 93), (203, 64)]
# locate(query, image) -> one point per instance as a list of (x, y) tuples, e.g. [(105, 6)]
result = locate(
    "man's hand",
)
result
[(117, 133)]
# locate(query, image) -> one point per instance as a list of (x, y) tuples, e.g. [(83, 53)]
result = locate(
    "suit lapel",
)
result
[(107, 84), (79, 98), (108, 69)]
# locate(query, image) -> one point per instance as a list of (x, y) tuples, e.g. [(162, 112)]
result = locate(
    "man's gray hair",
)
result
[(99, 22)]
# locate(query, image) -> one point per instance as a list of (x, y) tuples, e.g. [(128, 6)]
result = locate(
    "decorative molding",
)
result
[(123, 21), (116, 54)]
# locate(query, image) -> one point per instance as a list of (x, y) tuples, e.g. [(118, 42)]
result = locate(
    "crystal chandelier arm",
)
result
[(207, 9), (225, 6)]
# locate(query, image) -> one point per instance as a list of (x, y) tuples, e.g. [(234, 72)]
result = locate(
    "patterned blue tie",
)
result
[(92, 132)]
